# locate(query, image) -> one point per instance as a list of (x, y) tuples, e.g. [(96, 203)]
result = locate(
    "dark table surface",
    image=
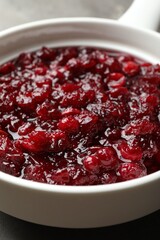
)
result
[(17, 12), (144, 228)]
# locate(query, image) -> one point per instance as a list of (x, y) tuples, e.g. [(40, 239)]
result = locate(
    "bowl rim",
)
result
[(73, 20), (67, 189)]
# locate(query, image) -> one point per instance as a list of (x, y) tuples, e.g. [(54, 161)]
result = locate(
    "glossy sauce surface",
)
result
[(79, 116)]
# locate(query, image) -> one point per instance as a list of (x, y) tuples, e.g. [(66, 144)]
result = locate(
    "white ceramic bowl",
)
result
[(82, 206)]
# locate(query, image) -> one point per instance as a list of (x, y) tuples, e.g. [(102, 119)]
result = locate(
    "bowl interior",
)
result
[(100, 33)]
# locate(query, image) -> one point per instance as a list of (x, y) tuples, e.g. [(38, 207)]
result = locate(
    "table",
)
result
[(144, 228), (21, 11)]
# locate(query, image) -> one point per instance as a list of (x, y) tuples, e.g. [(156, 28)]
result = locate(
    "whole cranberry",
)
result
[(69, 124), (133, 153), (131, 170), (107, 157), (91, 163)]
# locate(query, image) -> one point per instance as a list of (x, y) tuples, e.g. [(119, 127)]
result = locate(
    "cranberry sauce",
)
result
[(79, 116)]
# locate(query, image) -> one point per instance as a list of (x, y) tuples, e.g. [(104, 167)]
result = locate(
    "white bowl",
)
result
[(80, 206)]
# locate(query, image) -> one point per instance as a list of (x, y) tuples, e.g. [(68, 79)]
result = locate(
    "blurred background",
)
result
[(14, 12)]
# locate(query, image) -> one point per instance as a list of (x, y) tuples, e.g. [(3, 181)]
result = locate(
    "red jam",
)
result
[(79, 116)]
